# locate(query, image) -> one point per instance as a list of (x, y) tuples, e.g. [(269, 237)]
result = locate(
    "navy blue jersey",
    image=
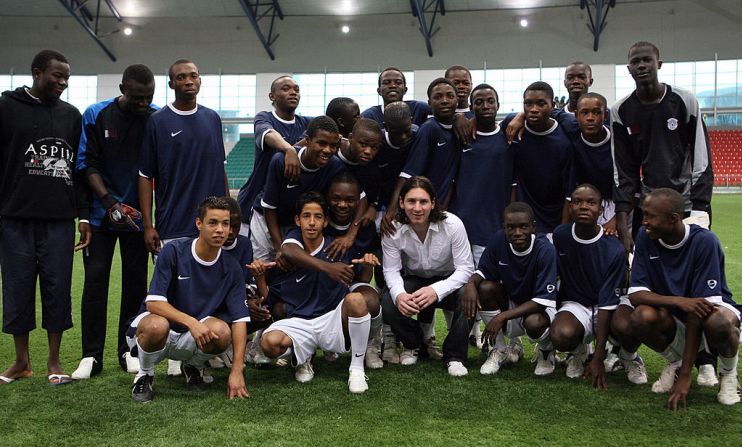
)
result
[(281, 194), (110, 145), (527, 275), (420, 112), (196, 287), (310, 293), (265, 122), (241, 251), (435, 154), (592, 272), (390, 160), (543, 163), (368, 176), (692, 268), (183, 153), (483, 185), (593, 162)]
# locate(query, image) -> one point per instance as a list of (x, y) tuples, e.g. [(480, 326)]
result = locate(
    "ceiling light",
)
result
[(345, 29), (524, 22), (127, 31)]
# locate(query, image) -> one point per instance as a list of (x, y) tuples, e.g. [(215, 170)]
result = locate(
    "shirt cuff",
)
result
[(637, 289), (155, 298), (544, 302)]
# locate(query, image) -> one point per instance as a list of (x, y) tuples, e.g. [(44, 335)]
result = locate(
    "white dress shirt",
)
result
[(444, 252)]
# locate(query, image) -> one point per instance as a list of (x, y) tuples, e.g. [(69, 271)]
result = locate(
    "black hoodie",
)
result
[(38, 144)]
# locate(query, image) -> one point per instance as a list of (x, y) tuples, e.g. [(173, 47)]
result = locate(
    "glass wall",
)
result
[(81, 92)]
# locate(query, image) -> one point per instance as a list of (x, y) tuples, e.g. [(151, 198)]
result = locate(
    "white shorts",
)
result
[(680, 327), (262, 246), (476, 252), (324, 332), (587, 316), (609, 211), (179, 345), (625, 301), (514, 327)]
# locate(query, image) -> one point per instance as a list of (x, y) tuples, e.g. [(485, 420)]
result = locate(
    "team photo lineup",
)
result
[(583, 228)]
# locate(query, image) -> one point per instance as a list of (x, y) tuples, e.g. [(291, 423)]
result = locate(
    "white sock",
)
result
[(673, 353), (375, 329), (358, 328), (626, 355), (199, 359), (148, 360), (448, 315), (386, 331), (488, 315), (728, 364), (544, 342), (580, 350)]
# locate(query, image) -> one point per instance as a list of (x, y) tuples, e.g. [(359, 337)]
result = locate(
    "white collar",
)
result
[(445, 126), (231, 246), (566, 108), (340, 227), (679, 244), (587, 241), (604, 141), (183, 112), (321, 245), (388, 141), (28, 91), (547, 131), (344, 159), (201, 261), (292, 121), (524, 252), (463, 110), (486, 134), (303, 167)]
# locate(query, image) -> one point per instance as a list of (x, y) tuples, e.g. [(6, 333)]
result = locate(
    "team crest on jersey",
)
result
[(550, 288), (672, 123), (711, 283)]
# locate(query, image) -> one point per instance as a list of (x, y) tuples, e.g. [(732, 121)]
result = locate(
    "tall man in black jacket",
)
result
[(39, 200)]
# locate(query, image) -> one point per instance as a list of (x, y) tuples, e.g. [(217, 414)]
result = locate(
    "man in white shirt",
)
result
[(432, 249)]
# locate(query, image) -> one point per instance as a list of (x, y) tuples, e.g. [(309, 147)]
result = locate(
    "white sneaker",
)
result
[(475, 335), (227, 356), (372, 360), (635, 370), (304, 372), (390, 354), (216, 363), (132, 363), (208, 378), (432, 348), (514, 350), (86, 369), (576, 365), (612, 363), (666, 380), (707, 376), (408, 357), (457, 369), (545, 362), (728, 389), (282, 362), (494, 361), (357, 381), (173, 368)]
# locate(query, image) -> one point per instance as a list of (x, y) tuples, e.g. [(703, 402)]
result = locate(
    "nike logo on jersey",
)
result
[(298, 280), (441, 143), (291, 186), (183, 277), (562, 254), (467, 149), (384, 165), (654, 257), (172, 134), (501, 263)]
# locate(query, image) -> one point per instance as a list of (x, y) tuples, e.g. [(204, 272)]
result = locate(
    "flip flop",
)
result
[(61, 379), (4, 380)]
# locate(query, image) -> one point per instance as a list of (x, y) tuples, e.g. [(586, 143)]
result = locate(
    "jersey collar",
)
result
[(389, 142), (487, 134), (445, 126), (679, 244), (547, 131), (183, 112), (292, 121), (319, 249), (338, 226), (462, 110), (605, 140), (201, 261), (304, 168), (587, 241), (344, 159), (230, 247), (525, 252)]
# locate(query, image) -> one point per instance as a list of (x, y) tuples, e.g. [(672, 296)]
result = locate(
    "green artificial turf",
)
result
[(419, 405)]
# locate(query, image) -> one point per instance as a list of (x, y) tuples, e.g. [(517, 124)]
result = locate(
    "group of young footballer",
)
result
[(582, 228)]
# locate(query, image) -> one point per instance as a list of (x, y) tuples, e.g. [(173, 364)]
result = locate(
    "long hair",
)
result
[(425, 184)]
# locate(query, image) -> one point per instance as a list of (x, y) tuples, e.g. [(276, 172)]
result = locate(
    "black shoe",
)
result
[(142, 390), (194, 377)]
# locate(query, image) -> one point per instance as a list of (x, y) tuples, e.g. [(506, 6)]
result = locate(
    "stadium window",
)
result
[(82, 91), (726, 84), (163, 94), (554, 76), (477, 77), (5, 82), (20, 80), (361, 87), (312, 89), (209, 95)]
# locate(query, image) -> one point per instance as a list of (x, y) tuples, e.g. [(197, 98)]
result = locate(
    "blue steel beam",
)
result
[(84, 17), (254, 15), (419, 9), (597, 17)]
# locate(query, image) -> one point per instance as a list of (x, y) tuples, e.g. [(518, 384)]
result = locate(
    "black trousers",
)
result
[(97, 259), (408, 330)]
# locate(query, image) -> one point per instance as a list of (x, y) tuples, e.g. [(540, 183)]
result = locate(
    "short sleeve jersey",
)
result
[(241, 251), (197, 287), (435, 154), (420, 112)]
